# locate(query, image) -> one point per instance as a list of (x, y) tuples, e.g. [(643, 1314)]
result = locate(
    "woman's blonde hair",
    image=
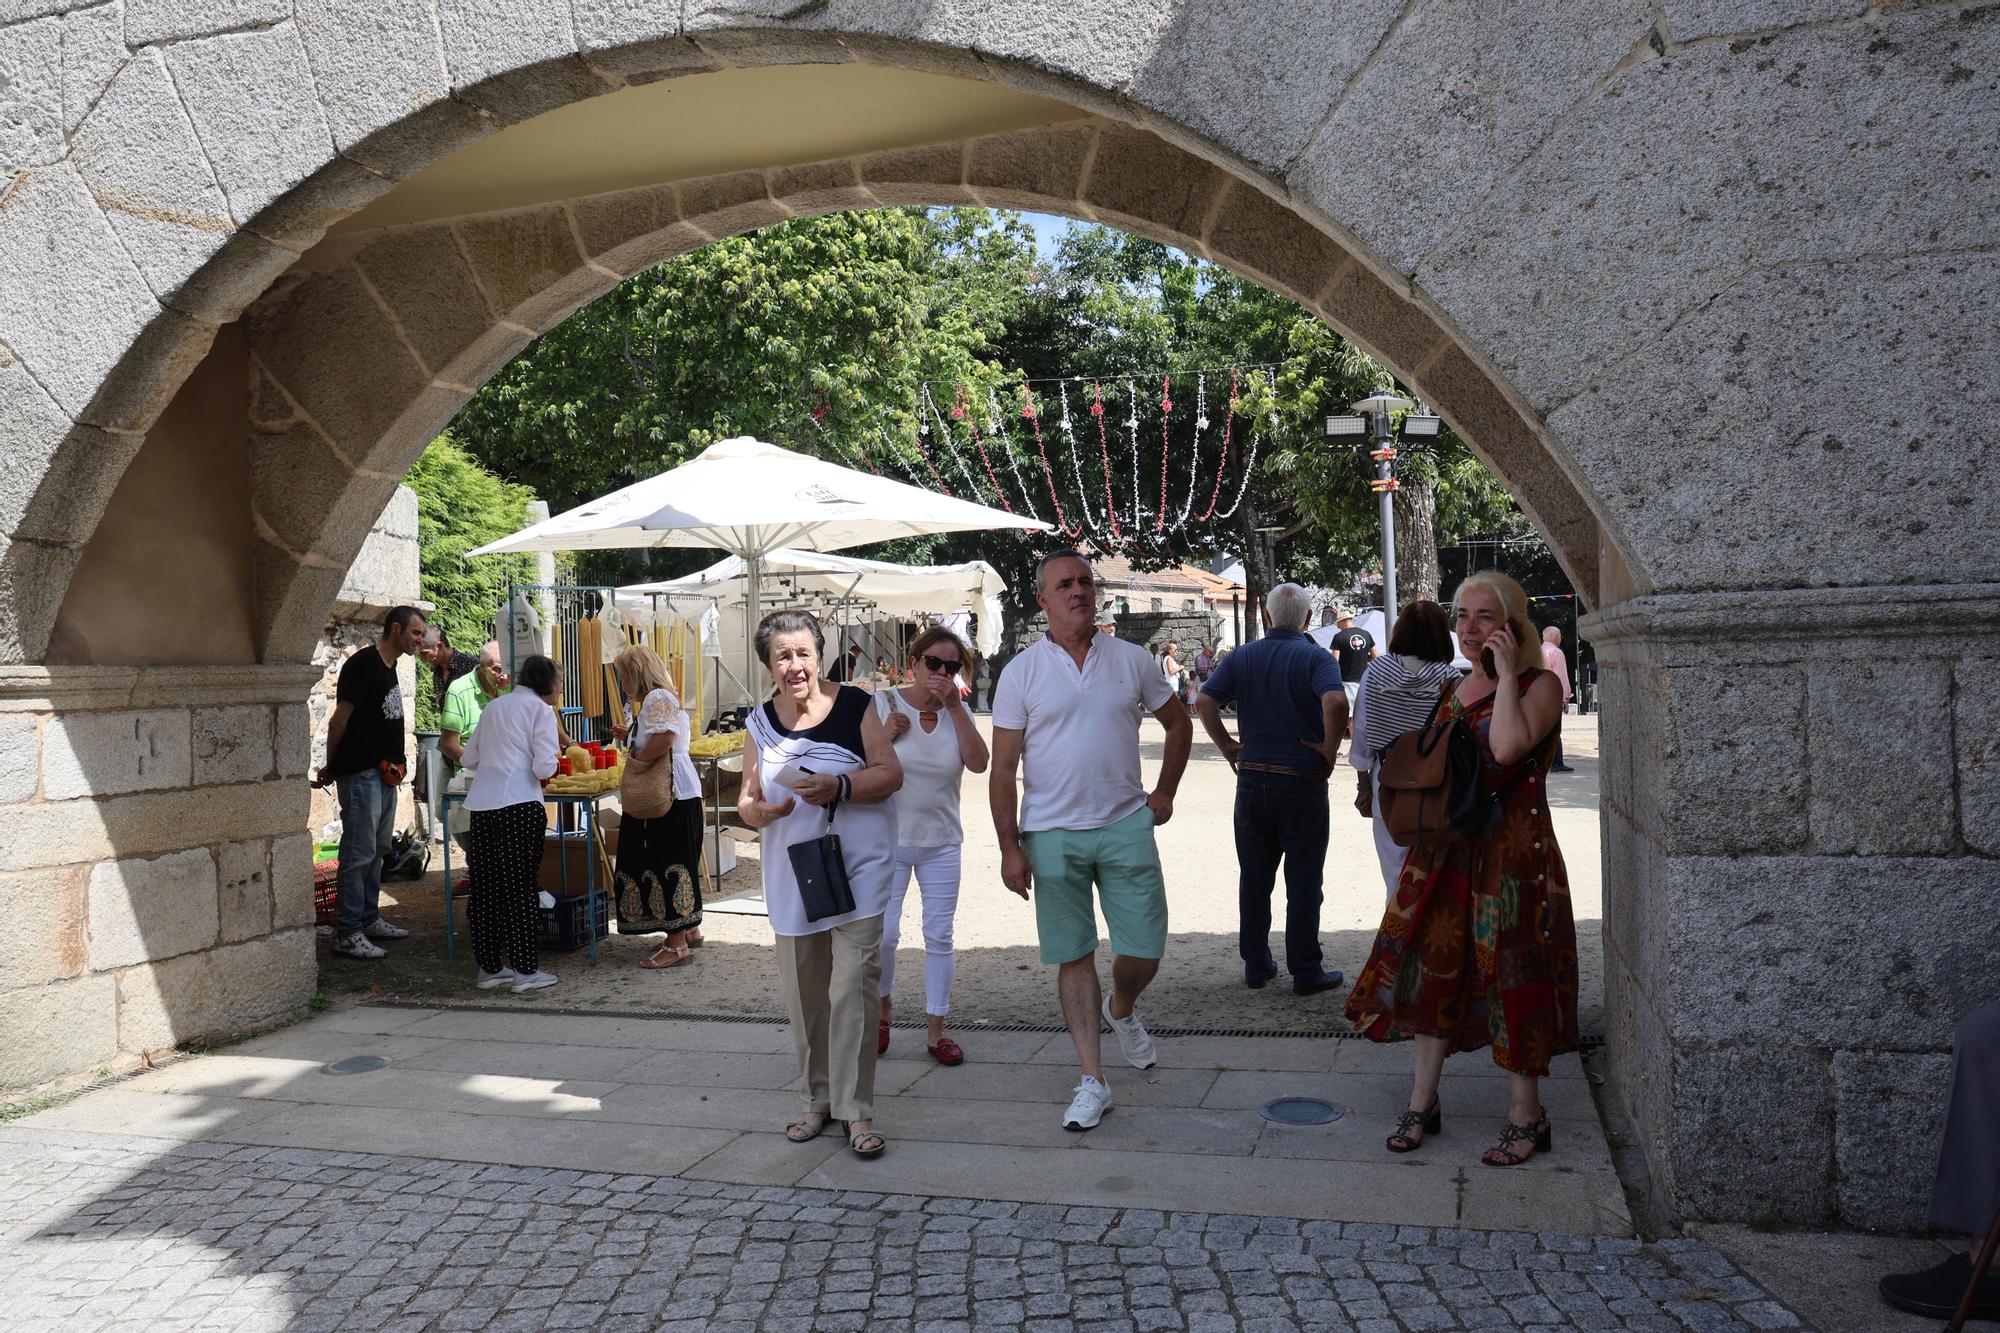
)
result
[(641, 666), (1513, 602)]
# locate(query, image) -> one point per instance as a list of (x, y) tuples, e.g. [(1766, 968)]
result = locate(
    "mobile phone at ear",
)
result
[(1486, 661)]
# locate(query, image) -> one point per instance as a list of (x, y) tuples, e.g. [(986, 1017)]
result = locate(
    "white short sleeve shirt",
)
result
[(1080, 750)]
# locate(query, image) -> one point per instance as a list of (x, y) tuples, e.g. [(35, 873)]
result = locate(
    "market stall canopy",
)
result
[(899, 591), (750, 498)]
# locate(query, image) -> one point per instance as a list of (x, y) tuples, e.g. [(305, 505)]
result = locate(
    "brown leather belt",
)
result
[(1244, 767)]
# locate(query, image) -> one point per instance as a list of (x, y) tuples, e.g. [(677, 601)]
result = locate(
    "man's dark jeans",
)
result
[(1281, 816)]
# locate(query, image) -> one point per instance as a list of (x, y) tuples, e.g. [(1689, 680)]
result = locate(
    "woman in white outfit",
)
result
[(819, 761), (936, 743), (1398, 691)]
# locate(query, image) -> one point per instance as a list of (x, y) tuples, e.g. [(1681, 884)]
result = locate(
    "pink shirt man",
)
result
[(1553, 659)]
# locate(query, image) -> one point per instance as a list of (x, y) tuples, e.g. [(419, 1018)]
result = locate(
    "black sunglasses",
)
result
[(940, 663)]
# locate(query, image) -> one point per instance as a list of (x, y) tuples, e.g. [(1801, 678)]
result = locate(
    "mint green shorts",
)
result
[(1123, 862)]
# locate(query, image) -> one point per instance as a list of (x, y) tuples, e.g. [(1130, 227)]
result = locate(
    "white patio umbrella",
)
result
[(747, 498)]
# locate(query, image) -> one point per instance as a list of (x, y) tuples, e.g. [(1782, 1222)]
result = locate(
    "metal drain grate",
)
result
[(1301, 1111)]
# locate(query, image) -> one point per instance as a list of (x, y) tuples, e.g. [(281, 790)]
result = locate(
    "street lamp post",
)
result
[(1376, 423)]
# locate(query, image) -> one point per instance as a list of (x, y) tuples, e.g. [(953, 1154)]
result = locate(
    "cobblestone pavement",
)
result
[(112, 1231)]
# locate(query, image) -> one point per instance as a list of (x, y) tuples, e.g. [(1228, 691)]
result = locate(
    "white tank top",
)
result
[(927, 805)]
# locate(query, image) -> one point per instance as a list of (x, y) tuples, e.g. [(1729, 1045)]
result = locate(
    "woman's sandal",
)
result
[(677, 955), (695, 940), (1431, 1122), (1500, 1154), (859, 1144), (807, 1127)]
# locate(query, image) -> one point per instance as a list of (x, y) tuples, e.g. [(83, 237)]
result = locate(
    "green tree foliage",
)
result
[(811, 334), (821, 334), (460, 506)]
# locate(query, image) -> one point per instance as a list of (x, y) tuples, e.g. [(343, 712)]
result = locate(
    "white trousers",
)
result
[(937, 872), (1387, 851)]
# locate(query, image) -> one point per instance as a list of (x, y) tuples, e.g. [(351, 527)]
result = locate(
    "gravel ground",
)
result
[(1000, 978)]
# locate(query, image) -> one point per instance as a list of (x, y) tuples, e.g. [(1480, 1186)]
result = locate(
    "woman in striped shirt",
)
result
[(1399, 691)]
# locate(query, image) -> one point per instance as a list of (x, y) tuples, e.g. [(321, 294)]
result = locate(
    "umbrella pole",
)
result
[(753, 569)]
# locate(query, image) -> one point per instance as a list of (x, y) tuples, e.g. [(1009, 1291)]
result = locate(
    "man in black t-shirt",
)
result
[(365, 760), (1353, 645)]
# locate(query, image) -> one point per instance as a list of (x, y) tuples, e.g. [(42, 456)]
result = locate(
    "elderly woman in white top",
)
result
[(657, 883), (512, 753), (1399, 692), (936, 743), (817, 752)]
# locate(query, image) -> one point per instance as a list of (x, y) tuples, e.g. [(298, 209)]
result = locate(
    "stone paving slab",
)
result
[(706, 1100), (101, 1230)]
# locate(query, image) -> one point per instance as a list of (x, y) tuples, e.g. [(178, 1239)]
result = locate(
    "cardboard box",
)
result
[(566, 854)]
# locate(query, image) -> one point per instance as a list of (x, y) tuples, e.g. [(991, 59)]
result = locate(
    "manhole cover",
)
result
[(355, 1064), (1301, 1111)]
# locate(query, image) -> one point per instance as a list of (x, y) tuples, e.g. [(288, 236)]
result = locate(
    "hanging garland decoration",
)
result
[(1104, 450), (1076, 464), (1250, 459), (945, 443), (923, 449), (1048, 477), (993, 431), (1132, 430), (1166, 419), (972, 430), (1194, 455), (1222, 465), (860, 456)]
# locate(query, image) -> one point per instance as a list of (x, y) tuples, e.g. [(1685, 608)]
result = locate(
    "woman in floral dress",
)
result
[(1478, 946)]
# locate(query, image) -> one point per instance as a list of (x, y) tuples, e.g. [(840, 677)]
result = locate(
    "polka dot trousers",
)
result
[(505, 908)]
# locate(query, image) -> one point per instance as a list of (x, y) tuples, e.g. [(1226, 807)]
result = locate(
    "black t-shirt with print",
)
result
[(1353, 646), (375, 728)]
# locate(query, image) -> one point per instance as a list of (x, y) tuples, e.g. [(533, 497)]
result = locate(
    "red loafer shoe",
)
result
[(947, 1052), (882, 1039)]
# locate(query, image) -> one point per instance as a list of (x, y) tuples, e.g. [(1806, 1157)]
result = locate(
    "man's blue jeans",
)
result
[(1279, 816), (367, 822)]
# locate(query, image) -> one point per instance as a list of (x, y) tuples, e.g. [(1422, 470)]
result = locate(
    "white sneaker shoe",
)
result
[(533, 981), (378, 929), (1133, 1040), (506, 976), (1092, 1100), (358, 945)]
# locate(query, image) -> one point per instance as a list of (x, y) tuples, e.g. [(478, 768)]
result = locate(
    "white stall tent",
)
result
[(748, 499)]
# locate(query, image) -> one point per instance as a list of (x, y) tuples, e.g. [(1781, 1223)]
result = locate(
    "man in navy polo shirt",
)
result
[(1292, 713)]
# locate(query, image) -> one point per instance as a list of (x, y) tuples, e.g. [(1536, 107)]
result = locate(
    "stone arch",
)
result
[(1714, 297), (362, 359)]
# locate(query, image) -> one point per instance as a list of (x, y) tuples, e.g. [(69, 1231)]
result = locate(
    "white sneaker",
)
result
[(358, 945), (533, 981), (378, 929), (506, 976), (1133, 1040), (1092, 1100)]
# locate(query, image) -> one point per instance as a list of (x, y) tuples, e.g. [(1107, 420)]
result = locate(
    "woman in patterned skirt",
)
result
[(657, 884), (1478, 946)]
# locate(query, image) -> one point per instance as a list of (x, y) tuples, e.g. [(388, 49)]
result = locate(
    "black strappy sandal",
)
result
[(1431, 1122), (1500, 1155)]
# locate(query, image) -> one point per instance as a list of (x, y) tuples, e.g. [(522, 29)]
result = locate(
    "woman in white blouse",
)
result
[(818, 756), (513, 751), (936, 743), (657, 883)]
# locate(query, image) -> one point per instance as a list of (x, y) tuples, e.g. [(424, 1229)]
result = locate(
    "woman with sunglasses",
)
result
[(936, 742)]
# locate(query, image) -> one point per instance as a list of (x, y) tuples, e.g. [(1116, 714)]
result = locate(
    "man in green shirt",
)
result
[(466, 699)]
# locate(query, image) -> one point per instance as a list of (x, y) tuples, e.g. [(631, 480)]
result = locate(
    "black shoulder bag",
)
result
[(822, 872)]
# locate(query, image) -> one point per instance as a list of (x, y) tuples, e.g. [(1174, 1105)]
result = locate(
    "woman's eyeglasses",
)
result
[(948, 664)]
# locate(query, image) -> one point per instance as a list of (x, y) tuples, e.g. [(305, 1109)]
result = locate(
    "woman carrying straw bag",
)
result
[(657, 883)]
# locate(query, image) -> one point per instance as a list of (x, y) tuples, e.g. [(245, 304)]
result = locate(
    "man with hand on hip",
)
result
[(1292, 713), (1067, 713)]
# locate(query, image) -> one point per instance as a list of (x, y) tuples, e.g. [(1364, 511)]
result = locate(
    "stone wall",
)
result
[(155, 876), (1800, 898)]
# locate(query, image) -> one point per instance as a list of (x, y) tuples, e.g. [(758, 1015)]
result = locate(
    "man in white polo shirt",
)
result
[(1070, 706)]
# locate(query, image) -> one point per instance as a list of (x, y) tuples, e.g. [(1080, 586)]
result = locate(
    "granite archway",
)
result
[(1661, 271)]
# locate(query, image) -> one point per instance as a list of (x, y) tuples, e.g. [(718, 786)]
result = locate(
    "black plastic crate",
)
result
[(567, 924)]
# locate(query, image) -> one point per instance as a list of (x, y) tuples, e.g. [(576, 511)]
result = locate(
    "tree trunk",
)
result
[(1256, 573), (1416, 543)]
